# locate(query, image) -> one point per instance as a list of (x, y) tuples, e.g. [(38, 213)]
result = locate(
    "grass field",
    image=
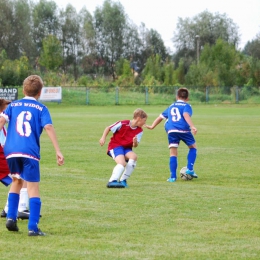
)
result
[(216, 216)]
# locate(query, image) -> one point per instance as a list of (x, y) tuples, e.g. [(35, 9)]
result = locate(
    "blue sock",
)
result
[(35, 209), (173, 166), (191, 158), (13, 202)]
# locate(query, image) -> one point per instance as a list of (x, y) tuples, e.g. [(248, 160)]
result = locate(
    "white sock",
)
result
[(117, 172), (128, 169), (24, 200), (6, 205)]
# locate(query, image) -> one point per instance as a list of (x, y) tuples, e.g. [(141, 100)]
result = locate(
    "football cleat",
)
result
[(11, 225), (192, 173), (32, 233), (23, 214), (3, 214), (124, 182), (171, 179), (115, 184)]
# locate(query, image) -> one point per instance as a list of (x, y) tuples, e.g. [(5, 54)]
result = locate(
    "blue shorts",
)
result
[(7, 180), (120, 150), (174, 139), (28, 169)]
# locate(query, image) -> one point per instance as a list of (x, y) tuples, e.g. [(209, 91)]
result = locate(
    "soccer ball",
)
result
[(184, 175)]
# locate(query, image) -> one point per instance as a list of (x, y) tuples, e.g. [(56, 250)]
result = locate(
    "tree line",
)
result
[(106, 48)]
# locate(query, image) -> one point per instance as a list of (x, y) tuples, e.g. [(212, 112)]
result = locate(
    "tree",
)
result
[(110, 33), (219, 66), (71, 40), (252, 48), (6, 28), (51, 54), (208, 28), (45, 21), (22, 36), (154, 68)]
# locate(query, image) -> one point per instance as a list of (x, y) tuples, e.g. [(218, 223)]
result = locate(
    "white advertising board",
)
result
[(53, 94)]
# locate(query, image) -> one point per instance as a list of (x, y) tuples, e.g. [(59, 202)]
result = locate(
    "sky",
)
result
[(163, 15)]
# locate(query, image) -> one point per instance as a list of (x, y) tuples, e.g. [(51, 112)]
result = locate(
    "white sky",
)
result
[(162, 16)]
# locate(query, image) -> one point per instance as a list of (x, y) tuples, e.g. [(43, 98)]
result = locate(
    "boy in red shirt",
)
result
[(126, 135)]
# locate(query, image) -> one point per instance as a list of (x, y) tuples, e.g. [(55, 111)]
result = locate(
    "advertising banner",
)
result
[(53, 94), (9, 93)]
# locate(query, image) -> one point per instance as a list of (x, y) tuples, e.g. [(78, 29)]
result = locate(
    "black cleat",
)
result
[(24, 214), (33, 233), (11, 225), (3, 214)]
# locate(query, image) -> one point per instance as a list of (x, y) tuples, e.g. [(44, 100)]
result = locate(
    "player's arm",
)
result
[(52, 135), (2, 122), (156, 122), (190, 123), (103, 137)]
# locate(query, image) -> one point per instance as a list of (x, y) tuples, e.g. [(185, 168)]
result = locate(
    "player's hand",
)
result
[(148, 127), (194, 130), (135, 143), (102, 141), (60, 158)]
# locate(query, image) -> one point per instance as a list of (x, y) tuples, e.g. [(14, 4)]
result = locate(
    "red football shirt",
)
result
[(123, 134)]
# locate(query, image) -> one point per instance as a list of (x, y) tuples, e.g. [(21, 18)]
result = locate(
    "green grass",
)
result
[(213, 217)]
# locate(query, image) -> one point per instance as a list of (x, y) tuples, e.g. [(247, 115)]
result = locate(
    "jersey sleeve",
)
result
[(115, 127), (139, 136), (45, 117), (2, 137), (188, 109), (164, 114)]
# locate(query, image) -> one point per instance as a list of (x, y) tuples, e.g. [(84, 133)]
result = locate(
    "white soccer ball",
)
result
[(184, 175)]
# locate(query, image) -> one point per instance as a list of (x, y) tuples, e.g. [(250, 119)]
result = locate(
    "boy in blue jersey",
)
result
[(5, 176), (26, 119), (179, 127)]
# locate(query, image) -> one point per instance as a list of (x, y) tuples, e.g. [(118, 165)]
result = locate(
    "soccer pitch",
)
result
[(213, 217)]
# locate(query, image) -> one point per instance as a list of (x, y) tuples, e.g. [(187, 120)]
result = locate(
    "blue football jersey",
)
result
[(26, 119), (175, 121)]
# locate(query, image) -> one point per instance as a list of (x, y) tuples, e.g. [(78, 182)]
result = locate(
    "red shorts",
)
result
[(4, 169)]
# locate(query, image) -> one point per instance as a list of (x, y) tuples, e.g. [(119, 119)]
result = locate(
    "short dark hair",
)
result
[(183, 93)]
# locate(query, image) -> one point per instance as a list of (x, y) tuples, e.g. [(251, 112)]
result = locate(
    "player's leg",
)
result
[(173, 164), (131, 157), (23, 212), (192, 154), (15, 167), (118, 155), (13, 201), (35, 209), (191, 157), (5, 178), (174, 140), (31, 174)]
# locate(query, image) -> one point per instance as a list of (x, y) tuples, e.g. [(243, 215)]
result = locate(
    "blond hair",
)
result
[(32, 85), (139, 113)]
